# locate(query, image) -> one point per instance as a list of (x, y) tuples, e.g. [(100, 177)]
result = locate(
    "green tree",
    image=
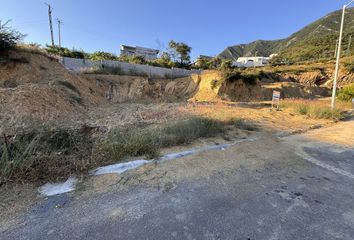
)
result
[(180, 52)]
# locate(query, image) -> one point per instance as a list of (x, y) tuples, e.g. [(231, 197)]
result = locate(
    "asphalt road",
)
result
[(297, 187)]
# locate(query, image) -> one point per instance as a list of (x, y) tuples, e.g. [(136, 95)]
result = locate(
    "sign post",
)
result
[(276, 99)]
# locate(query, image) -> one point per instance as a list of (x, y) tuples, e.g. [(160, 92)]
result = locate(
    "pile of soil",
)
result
[(120, 89), (214, 86), (37, 87)]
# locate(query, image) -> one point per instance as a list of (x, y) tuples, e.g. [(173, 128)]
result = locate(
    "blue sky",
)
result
[(208, 26)]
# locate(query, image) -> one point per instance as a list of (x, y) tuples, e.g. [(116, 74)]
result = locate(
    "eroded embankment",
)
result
[(36, 87), (120, 89), (249, 87)]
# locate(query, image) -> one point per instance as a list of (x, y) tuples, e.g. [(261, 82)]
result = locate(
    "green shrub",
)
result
[(302, 108), (65, 52), (226, 64), (186, 131), (100, 55), (122, 143), (313, 109), (346, 93)]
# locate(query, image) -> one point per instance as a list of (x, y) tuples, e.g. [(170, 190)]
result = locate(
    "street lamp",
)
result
[(338, 56)]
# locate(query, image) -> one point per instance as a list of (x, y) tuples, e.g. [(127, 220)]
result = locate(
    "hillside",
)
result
[(314, 41)]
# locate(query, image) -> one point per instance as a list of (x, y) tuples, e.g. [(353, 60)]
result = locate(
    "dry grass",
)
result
[(347, 92), (42, 155), (123, 143), (57, 154), (315, 109)]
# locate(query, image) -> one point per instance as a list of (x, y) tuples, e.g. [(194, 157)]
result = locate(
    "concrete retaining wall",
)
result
[(79, 65)]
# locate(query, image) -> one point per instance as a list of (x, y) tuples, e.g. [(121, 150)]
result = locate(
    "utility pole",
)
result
[(50, 22), (336, 73), (59, 23)]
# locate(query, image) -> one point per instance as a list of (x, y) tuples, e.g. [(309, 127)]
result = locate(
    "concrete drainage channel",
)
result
[(51, 189)]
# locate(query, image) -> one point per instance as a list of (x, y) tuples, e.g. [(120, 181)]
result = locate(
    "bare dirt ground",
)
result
[(277, 187)]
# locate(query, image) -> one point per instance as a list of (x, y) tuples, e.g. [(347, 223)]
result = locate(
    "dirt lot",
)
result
[(291, 187), (271, 173)]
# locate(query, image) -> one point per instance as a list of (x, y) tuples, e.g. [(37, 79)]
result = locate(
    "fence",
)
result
[(79, 65)]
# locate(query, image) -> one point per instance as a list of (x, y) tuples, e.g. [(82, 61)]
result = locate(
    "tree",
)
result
[(226, 64), (215, 62), (99, 55), (203, 63), (163, 61), (8, 37), (180, 52)]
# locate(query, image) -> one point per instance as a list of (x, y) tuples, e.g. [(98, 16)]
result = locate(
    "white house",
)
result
[(147, 53), (251, 61)]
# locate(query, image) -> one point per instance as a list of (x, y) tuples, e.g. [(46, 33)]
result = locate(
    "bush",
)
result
[(99, 55), (313, 109), (187, 131), (226, 64), (346, 93), (65, 52), (8, 37), (122, 143)]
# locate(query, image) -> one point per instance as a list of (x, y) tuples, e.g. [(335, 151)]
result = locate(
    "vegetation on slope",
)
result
[(314, 41), (347, 93), (314, 109)]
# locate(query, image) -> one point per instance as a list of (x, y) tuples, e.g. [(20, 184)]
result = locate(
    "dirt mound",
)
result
[(37, 87), (121, 89), (215, 86)]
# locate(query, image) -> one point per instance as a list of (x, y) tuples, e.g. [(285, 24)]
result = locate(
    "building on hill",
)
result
[(146, 53), (251, 61)]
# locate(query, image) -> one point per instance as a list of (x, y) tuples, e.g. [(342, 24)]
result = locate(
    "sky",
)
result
[(208, 26)]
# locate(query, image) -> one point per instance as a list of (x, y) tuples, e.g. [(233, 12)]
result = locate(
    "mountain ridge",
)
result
[(326, 27)]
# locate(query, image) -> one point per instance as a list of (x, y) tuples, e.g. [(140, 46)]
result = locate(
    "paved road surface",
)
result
[(297, 187)]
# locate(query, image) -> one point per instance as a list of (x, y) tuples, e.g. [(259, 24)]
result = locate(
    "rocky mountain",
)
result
[(315, 40)]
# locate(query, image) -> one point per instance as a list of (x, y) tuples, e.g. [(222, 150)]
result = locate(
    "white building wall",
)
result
[(251, 61), (79, 65)]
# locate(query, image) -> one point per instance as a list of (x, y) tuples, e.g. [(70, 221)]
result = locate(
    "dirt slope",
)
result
[(214, 86), (34, 86), (37, 87), (121, 89)]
